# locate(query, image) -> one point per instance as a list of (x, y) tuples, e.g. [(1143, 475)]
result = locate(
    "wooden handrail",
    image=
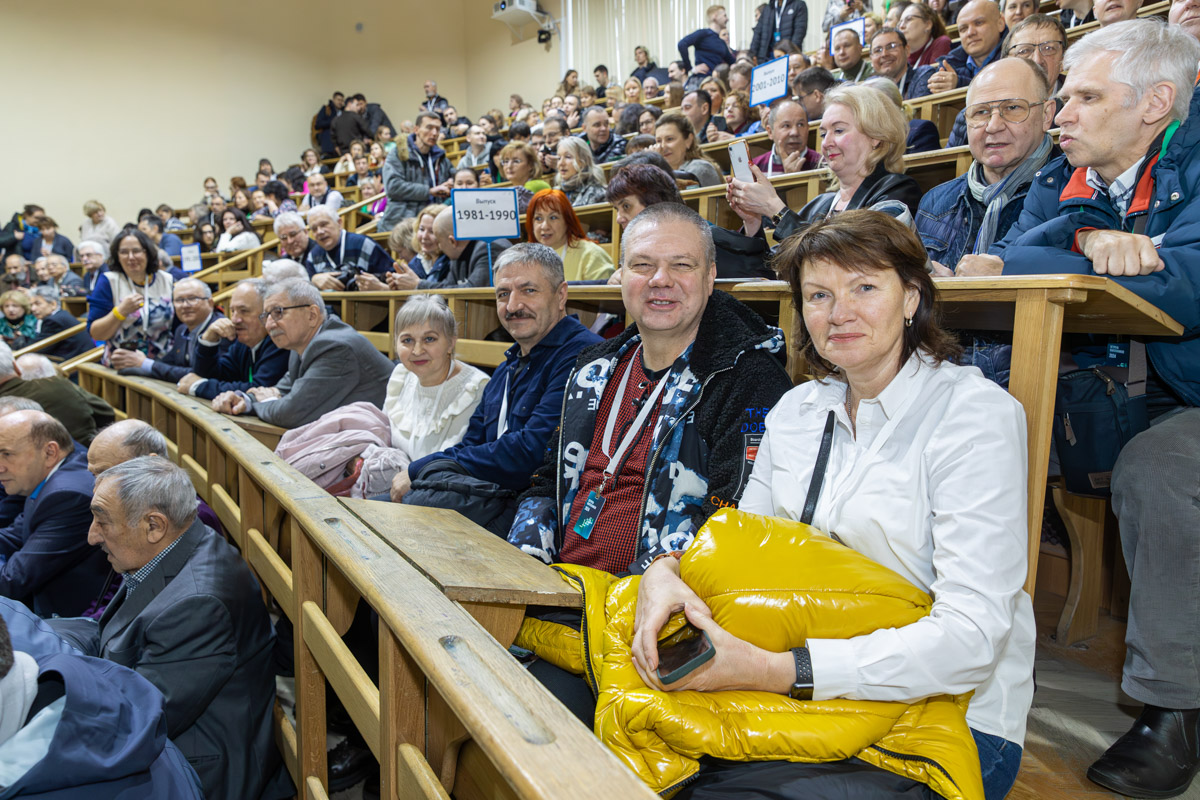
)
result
[(42, 344), (447, 689)]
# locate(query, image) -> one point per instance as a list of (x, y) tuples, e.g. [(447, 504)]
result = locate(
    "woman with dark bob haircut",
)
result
[(924, 473)]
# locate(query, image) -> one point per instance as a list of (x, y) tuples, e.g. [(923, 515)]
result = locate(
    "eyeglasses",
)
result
[(131, 253), (980, 114), (878, 51), (188, 301), (1049, 49), (277, 312)]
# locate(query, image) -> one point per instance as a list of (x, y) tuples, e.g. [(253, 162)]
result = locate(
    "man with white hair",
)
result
[(35, 366), (650, 87), (91, 255), (190, 619), (331, 364), (1125, 202), (344, 261), (60, 276), (192, 299), (45, 303), (294, 241)]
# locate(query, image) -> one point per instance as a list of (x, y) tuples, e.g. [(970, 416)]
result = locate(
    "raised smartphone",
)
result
[(677, 660), (739, 160)]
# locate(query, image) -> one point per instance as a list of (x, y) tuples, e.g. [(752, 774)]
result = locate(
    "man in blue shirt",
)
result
[(507, 437), (981, 30), (711, 49)]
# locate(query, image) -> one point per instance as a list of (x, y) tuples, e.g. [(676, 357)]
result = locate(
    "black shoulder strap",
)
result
[(818, 476)]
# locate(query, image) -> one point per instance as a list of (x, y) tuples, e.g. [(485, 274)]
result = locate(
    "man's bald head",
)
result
[(122, 441), (980, 26)]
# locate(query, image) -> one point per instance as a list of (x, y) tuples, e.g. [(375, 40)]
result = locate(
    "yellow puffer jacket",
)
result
[(774, 583)]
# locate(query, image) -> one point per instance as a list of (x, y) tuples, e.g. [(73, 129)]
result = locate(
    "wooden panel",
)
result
[(315, 790), (414, 778), (1084, 519), (482, 353), (198, 475), (285, 740), (463, 560), (347, 677), (401, 712), (269, 567), (227, 510)]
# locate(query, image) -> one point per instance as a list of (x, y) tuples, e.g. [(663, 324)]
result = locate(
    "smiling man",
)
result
[(661, 424), (889, 59), (1008, 114), (508, 433), (599, 136), (787, 125), (331, 364), (45, 559)]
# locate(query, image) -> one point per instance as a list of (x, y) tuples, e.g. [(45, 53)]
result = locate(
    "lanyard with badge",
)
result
[(779, 19), (595, 499)]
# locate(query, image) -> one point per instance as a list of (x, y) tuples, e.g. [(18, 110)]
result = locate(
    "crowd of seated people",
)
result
[(1113, 195)]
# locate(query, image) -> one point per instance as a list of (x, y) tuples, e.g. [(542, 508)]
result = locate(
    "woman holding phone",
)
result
[(863, 140)]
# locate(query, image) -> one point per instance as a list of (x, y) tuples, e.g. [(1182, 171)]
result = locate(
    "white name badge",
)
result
[(190, 258), (769, 81), (485, 214)]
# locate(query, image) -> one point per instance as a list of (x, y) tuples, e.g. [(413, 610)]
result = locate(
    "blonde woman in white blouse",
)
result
[(926, 475), (430, 396)]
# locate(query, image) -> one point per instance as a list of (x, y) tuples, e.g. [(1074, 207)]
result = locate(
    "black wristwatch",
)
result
[(802, 689), (777, 217)]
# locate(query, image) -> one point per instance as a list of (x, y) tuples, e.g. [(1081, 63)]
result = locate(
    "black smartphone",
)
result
[(679, 659)]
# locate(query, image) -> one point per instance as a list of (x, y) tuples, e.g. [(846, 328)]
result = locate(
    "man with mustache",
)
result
[(507, 436), (234, 353), (331, 364)]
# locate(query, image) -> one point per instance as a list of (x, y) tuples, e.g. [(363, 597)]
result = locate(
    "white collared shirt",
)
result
[(934, 488), (1120, 191)]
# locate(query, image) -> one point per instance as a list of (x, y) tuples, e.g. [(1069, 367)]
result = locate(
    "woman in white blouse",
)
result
[(926, 475), (236, 232), (430, 396)]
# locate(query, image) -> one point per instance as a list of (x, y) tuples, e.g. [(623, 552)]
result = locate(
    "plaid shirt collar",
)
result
[(1120, 191), (136, 578)]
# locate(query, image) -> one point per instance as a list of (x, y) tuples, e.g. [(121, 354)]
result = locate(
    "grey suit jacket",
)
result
[(339, 367), (198, 630)]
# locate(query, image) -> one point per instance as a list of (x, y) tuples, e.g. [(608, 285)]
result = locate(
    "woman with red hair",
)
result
[(551, 221)]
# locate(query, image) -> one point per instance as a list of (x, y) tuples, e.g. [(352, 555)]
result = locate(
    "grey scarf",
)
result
[(997, 195)]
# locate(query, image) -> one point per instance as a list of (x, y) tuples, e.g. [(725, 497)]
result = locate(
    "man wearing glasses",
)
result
[(1043, 40), (1008, 114), (889, 59), (331, 364)]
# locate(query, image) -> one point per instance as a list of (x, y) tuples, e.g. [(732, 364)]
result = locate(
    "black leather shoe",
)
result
[(349, 763), (1158, 757)]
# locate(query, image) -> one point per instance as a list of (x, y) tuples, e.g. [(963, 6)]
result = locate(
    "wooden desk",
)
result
[(1038, 309), (489, 577)]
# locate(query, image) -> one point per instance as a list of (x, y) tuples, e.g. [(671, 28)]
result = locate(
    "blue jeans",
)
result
[(999, 760)]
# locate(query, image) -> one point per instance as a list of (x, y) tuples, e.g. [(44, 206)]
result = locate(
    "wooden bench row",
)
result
[(452, 712)]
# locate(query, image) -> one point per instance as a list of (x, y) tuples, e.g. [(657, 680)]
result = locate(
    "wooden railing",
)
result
[(453, 711)]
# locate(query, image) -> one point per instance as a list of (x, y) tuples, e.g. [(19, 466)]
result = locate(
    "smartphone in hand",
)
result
[(692, 650), (739, 160)]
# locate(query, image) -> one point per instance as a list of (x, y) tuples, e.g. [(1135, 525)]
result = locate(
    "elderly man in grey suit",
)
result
[(189, 618), (332, 365)]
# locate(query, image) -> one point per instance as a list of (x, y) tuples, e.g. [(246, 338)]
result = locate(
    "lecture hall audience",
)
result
[(1116, 200)]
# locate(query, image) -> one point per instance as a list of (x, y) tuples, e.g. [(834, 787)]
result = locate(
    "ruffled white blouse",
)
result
[(427, 419)]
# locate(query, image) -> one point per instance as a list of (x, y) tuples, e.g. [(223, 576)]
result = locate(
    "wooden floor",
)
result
[(1078, 711)]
